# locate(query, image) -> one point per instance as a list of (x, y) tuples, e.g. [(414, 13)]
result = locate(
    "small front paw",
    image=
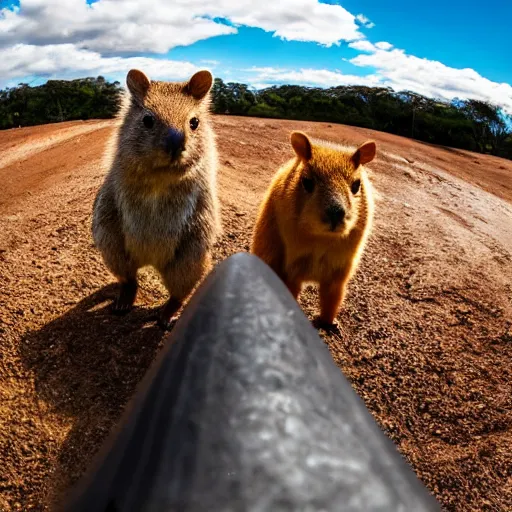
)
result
[(120, 307), (126, 298), (326, 325), (167, 315), (166, 324)]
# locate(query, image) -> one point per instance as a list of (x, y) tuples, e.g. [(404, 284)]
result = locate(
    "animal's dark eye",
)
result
[(149, 121), (194, 123), (355, 186), (308, 184)]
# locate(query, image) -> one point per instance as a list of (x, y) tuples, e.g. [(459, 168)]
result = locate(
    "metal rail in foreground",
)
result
[(245, 410)]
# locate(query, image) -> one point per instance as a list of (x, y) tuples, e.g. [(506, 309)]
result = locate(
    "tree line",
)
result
[(466, 124), (59, 100)]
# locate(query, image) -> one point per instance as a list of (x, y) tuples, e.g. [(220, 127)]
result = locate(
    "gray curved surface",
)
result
[(246, 411)]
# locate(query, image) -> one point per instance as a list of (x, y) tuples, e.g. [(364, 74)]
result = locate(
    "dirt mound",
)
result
[(425, 337)]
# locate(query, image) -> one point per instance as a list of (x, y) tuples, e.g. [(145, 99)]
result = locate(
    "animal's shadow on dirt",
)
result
[(86, 364)]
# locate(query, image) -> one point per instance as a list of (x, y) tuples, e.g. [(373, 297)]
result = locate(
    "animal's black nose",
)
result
[(174, 141), (335, 215)]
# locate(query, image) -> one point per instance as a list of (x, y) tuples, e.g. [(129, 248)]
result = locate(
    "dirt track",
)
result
[(426, 336)]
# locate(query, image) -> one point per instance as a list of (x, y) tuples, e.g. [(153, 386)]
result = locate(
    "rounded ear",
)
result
[(199, 85), (301, 145), (364, 153), (138, 83)]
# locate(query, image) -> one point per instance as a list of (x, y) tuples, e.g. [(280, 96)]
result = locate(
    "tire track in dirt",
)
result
[(49, 162), (26, 149)]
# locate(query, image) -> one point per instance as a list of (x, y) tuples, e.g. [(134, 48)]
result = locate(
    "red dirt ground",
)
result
[(426, 332)]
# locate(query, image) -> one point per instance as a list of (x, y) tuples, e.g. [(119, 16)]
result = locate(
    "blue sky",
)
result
[(451, 31), (441, 49)]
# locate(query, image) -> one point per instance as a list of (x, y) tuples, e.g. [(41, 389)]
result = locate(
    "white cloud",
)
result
[(394, 68), (364, 46), (300, 20), (432, 78), (158, 25), (68, 39), (108, 25), (67, 61), (365, 21), (383, 45), (210, 62), (313, 77)]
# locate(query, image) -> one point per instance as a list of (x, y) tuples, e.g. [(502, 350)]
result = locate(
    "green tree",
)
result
[(468, 124)]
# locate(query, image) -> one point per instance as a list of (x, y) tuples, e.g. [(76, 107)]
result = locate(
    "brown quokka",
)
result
[(315, 218), (158, 204)]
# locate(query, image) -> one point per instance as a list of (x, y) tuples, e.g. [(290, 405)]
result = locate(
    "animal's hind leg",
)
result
[(180, 278), (124, 268), (294, 285), (109, 240), (331, 297), (126, 297)]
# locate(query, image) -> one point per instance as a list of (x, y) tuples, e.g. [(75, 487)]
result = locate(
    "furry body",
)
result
[(316, 236), (158, 204)]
